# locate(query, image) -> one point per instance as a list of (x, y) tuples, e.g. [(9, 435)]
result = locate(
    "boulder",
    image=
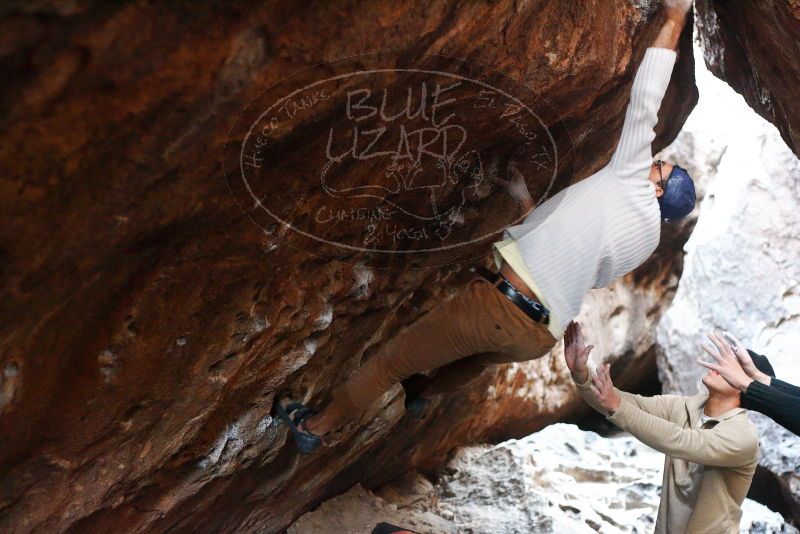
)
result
[(560, 479), (148, 323), (753, 46)]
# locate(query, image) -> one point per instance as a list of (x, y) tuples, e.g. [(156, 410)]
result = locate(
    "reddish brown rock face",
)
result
[(146, 323), (753, 46)]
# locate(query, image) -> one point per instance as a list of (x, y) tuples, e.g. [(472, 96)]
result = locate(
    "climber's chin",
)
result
[(715, 384)]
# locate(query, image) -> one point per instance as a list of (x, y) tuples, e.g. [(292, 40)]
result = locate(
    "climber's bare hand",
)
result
[(677, 9), (515, 187)]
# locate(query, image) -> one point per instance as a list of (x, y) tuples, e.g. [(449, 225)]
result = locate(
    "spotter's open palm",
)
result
[(603, 388), (576, 352)]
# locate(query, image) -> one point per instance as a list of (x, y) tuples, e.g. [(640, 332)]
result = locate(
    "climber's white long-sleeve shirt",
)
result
[(606, 225)]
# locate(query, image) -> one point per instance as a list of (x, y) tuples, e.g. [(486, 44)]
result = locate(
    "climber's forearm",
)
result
[(670, 34), (634, 154)]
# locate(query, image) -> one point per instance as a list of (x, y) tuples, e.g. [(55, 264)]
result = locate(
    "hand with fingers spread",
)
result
[(516, 187), (731, 361), (576, 353), (746, 361), (603, 389)]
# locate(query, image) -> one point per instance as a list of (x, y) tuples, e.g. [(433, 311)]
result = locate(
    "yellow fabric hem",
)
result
[(507, 250)]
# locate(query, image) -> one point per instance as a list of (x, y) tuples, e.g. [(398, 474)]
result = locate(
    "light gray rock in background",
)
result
[(558, 480), (359, 510), (742, 268), (569, 481)]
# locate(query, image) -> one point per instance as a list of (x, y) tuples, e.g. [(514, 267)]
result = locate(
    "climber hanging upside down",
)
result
[(584, 237)]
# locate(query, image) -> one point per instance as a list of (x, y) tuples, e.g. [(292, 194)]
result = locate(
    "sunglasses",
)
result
[(662, 183)]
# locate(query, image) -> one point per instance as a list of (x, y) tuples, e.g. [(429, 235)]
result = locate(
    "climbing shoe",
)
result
[(294, 414)]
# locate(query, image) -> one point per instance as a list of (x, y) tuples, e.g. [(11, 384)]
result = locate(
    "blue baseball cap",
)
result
[(679, 195)]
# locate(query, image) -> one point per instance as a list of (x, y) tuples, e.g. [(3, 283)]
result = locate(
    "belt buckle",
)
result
[(544, 314)]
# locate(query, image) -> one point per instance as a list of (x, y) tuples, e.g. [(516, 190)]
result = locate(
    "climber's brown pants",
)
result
[(461, 337)]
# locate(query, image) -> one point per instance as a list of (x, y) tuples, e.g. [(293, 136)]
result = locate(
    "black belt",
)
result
[(533, 309)]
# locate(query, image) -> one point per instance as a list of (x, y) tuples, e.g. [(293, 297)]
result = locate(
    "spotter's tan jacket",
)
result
[(710, 461)]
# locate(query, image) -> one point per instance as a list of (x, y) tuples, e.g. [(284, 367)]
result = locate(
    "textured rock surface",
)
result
[(560, 479), (754, 47), (359, 510), (741, 271), (146, 323)]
